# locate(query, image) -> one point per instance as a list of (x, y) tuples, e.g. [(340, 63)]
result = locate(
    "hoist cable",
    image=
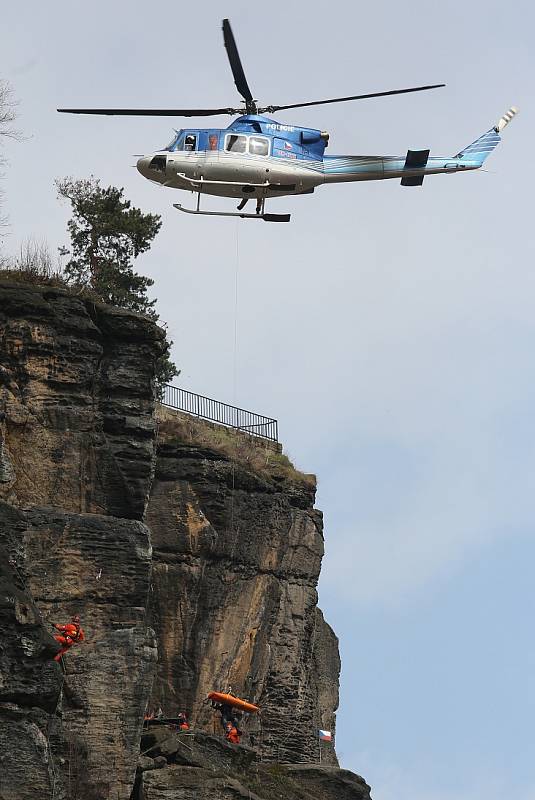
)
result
[(236, 276), (235, 369)]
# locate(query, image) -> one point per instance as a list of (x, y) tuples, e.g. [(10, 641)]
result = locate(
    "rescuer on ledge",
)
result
[(229, 721), (70, 634), (182, 719)]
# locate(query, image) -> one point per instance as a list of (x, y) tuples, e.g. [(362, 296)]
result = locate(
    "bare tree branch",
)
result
[(7, 131), (33, 264), (8, 112)]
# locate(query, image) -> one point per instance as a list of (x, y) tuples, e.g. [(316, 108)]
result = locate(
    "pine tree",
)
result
[(107, 235)]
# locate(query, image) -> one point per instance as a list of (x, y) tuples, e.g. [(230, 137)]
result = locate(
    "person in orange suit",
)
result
[(232, 733), (183, 724), (229, 721), (71, 633)]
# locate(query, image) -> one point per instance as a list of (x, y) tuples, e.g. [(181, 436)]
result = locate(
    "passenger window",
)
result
[(258, 146), (236, 144), (190, 142)]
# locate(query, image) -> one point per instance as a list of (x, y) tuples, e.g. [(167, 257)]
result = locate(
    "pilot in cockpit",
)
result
[(190, 141)]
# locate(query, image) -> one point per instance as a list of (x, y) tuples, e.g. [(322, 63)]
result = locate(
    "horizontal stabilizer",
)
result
[(416, 159), (276, 217), (282, 187), (417, 180)]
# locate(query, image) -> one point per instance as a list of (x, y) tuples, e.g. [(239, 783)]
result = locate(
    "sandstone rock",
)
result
[(329, 783), (197, 749), (325, 675), (76, 389), (245, 551), (230, 587), (146, 763), (258, 782), (183, 783), (77, 435), (30, 685), (108, 677), (27, 769)]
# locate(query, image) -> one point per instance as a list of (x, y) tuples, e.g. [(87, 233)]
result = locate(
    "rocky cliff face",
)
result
[(245, 549), (76, 383), (77, 435), (193, 569), (29, 684)]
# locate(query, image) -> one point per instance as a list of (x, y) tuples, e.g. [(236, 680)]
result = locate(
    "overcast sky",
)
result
[(390, 330)]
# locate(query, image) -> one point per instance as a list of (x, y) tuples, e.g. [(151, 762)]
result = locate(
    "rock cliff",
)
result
[(204, 767), (77, 436), (191, 555), (245, 547)]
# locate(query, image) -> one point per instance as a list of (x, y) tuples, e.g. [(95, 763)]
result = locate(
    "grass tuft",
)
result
[(256, 454)]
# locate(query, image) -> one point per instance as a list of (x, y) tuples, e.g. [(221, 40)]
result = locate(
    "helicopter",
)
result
[(257, 157)]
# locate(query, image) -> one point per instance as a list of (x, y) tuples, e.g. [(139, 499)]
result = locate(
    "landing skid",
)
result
[(260, 204), (265, 217)]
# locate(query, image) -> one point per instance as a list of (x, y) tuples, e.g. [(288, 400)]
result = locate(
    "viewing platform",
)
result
[(220, 413)]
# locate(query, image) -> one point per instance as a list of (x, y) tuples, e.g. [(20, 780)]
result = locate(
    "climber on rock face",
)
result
[(71, 633)]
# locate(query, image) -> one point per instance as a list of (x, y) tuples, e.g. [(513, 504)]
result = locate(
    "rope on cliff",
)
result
[(49, 746)]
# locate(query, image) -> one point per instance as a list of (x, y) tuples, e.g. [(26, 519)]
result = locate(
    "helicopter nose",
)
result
[(143, 165)]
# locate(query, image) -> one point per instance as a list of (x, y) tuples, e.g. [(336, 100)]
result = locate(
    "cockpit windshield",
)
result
[(173, 142)]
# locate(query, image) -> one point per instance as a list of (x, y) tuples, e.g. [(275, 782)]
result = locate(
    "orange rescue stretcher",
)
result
[(235, 702)]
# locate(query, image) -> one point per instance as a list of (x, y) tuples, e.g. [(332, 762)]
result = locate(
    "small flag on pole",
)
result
[(325, 736)]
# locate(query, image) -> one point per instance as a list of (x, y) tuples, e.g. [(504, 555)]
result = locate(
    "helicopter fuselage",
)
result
[(259, 157)]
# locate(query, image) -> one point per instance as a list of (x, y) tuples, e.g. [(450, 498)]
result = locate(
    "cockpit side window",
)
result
[(235, 143), (179, 145), (190, 141)]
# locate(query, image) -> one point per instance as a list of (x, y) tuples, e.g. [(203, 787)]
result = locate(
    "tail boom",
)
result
[(416, 164), (342, 169)]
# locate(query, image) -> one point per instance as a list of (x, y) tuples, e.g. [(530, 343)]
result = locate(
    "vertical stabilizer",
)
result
[(479, 150)]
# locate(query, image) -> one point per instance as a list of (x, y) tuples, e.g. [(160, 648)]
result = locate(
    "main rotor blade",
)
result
[(235, 63), (153, 112), (271, 109)]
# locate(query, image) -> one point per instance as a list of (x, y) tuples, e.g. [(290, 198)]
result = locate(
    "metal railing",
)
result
[(221, 413)]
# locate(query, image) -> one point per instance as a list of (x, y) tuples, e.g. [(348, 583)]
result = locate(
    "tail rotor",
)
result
[(506, 119)]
